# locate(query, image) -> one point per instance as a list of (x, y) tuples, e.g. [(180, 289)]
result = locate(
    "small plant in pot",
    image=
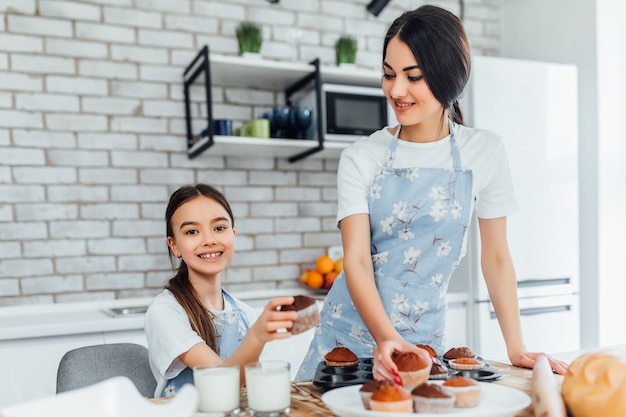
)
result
[(345, 50), (249, 37)]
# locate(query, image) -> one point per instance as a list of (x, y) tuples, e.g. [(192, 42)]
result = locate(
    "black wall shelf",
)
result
[(288, 77)]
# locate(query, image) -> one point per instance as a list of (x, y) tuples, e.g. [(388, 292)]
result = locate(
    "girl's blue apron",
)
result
[(418, 220), (231, 327)]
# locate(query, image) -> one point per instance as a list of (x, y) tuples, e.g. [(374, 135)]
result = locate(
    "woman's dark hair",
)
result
[(200, 317), (439, 43)]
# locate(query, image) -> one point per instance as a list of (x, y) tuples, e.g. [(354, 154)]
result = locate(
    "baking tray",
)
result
[(485, 374), (329, 377)]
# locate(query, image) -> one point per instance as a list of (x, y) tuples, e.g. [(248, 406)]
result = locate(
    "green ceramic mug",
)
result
[(258, 128)]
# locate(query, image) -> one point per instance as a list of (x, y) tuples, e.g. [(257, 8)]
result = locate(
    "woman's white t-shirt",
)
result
[(169, 334), (482, 152)]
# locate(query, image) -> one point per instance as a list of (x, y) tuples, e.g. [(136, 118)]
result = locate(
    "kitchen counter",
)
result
[(57, 320), (306, 398), (22, 322)]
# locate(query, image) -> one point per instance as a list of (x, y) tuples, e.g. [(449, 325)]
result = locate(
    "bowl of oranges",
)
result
[(326, 270)]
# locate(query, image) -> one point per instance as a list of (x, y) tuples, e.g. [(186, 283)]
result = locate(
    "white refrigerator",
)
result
[(533, 107)]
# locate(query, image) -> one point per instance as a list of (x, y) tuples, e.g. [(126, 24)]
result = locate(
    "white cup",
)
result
[(269, 388), (218, 389)]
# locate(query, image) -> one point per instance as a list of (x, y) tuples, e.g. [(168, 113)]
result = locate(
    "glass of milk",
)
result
[(268, 385), (218, 389)]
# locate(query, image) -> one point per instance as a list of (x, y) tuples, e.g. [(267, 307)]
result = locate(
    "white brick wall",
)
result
[(92, 139)]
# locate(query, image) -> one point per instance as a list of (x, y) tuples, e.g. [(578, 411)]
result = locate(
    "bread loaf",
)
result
[(595, 385)]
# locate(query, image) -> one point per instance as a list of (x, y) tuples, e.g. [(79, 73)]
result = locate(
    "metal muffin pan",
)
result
[(329, 377), (485, 374)]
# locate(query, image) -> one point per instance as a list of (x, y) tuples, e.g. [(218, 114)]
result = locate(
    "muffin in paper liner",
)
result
[(438, 370), (368, 389), (412, 368), (432, 398), (466, 391), (391, 398)]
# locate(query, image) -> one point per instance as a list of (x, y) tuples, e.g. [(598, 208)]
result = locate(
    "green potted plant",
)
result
[(249, 37), (345, 50)]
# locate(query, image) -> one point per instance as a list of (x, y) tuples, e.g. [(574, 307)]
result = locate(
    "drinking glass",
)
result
[(218, 389), (269, 388)]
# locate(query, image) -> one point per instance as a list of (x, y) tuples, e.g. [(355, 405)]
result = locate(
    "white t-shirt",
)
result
[(169, 334), (481, 151)]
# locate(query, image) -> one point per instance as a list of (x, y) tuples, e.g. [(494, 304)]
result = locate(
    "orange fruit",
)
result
[(303, 276), (324, 264), (338, 265), (314, 279), (329, 279)]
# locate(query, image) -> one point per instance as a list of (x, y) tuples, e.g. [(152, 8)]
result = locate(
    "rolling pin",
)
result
[(546, 391)]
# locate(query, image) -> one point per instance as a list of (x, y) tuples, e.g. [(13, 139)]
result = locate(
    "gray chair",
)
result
[(91, 364)]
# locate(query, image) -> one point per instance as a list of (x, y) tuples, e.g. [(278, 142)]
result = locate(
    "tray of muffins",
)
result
[(456, 388), (341, 367)]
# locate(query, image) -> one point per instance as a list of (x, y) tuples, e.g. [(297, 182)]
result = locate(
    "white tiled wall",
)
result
[(92, 139)]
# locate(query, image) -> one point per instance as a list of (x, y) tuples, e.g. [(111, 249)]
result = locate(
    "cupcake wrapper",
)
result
[(404, 406), (365, 399), (433, 405), (465, 366), (465, 397), (307, 319), (411, 380)]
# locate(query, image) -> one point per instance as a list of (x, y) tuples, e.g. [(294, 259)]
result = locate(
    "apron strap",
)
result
[(456, 152)]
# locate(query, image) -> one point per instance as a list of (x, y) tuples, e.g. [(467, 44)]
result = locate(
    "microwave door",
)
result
[(349, 116)]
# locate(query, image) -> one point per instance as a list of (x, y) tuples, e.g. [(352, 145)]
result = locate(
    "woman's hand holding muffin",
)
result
[(384, 366)]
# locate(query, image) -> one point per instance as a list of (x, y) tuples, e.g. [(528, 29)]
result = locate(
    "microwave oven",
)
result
[(349, 112)]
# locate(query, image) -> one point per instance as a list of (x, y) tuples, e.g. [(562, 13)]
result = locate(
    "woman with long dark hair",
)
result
[(406, 197)]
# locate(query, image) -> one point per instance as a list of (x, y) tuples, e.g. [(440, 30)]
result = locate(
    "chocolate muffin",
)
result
[(432, 398), (459, 352), (308, 313), (438, 370), (341, 356), (429, 349)]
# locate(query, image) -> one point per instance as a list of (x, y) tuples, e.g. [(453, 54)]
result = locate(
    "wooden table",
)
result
[(306, 397)]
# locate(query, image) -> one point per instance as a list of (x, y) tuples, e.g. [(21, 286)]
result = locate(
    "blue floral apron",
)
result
[(231, 326), (418, 220)]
